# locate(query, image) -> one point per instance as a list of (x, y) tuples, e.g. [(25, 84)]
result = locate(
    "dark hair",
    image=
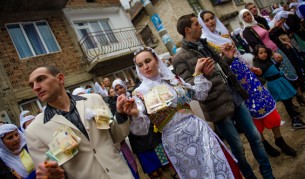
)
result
[(88, 86), (184, 22), (51, 69), (204, 12), (249, 4), (144, 49), (256, 49)]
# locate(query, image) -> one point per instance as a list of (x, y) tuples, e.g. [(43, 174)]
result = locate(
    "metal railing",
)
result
[(96, 44)]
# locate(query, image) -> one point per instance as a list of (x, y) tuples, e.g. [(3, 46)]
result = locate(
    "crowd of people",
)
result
[(101, 131)]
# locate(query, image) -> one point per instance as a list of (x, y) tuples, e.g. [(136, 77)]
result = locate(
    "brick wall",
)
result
[(15, 71), (68, 60)]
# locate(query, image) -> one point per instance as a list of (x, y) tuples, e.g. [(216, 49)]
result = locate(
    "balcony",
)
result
[(108, 51), (31, 5)]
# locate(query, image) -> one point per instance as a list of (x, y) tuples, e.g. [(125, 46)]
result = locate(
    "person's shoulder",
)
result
[(181, 54), (91, 96)]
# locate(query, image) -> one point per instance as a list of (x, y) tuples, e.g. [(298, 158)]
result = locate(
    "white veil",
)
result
[(164, 73), (210, 36)]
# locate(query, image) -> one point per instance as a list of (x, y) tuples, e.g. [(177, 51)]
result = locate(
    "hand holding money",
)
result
[(49, 170)]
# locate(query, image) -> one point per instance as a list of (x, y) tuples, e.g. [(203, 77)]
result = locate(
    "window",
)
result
[(123, 74), (147, 36), (32, 38), (216, 2), (239, 2), (34, 106), (4, 117), (195, 5), (94, 33)]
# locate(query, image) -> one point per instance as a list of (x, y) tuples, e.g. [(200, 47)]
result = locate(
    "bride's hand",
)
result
[(228, 50)]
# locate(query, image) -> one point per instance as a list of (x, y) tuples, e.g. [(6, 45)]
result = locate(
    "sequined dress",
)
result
[(190, 144), (260, 102)]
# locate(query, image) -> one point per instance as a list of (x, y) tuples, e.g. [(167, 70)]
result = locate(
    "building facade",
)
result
[(170, 10), (85, 39)]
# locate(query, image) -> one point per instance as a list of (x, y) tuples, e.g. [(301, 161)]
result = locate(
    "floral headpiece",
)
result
[(142, 49)]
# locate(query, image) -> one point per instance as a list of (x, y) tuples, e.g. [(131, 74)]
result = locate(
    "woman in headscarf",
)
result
[(280, 35), (24, 114), (163, 99), (255, 35), (260, 103), (15, 161), (24, 122), (120, 88), (148, 148)]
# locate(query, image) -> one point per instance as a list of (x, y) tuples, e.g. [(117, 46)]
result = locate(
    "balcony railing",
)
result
[(97, 44)]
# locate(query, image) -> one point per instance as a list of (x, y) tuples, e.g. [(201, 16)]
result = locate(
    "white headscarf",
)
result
[(294, 4), (78, 90), (11, 160), (277, 10), (282, 14), (164, 73), (210, 36), (121, 83), (24, 120), (246, 24), (23, 114)]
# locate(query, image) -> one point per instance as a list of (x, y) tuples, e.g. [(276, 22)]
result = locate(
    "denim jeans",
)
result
[(242, 116)]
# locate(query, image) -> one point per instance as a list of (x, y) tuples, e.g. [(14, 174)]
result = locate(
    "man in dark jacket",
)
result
[(225, 99), (259, 19)]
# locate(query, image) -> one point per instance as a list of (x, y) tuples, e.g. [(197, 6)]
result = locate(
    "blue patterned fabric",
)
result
[(287, 68), (280, 88), (260, 102)]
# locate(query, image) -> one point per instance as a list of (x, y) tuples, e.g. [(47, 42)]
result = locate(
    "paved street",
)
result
[(284, 167)]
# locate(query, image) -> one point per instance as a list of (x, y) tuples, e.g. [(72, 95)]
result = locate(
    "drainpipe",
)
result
[(156, 20)]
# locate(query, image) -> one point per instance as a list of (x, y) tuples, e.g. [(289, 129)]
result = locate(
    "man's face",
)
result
[(253, 9), (45, 86), (106, 82), (195, 30)]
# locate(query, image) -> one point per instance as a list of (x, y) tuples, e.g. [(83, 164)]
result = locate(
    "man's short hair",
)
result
[(249, 4), (184, 22), (51, 69)]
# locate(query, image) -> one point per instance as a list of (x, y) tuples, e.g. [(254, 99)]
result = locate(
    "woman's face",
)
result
[(112, 92), (119, 90), (147, 64), (210, 21), (262, 54), (247, 17), (12, 140)]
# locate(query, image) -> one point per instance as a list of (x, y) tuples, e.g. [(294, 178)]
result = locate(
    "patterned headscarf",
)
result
[(11, 160)]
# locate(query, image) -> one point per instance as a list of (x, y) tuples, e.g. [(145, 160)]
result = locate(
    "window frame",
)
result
[(91, 30), (194, 3), (239, 2), (28, 41), (38, 102)]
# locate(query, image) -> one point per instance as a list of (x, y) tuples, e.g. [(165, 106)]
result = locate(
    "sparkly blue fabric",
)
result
[(260, 102)]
